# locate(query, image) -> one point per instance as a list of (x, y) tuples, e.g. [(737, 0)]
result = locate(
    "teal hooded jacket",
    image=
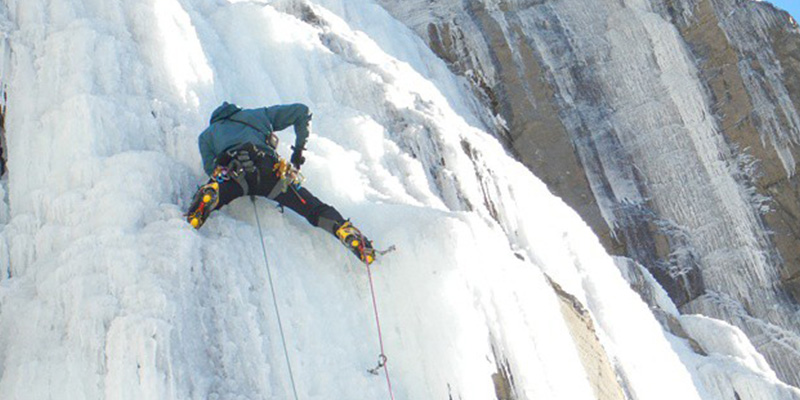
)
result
[(231, 126)]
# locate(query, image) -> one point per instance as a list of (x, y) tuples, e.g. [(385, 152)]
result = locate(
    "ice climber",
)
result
[(239, 154)]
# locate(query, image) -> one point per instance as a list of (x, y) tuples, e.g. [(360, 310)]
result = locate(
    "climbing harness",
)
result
[(274, 298), (240, 161), (241, 164)]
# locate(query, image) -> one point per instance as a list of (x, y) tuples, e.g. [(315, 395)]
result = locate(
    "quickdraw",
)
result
[(285, 170), (382, 360), (288, 178)]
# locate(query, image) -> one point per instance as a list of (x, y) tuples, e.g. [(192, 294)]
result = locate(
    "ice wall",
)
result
[(110, 294)]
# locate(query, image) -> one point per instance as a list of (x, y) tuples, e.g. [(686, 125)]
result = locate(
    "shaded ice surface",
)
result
[(107, 293), (723, 361)]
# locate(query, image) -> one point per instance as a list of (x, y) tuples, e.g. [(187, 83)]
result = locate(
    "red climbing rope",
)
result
[(382, 359)]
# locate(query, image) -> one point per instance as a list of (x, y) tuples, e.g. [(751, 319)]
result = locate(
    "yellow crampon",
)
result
[(352, 238), (205, 201)]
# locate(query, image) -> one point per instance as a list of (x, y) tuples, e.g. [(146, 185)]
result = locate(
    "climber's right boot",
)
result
[(354, 240)]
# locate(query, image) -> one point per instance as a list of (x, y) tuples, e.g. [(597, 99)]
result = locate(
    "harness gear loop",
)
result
[(288, 177), (220, 174)]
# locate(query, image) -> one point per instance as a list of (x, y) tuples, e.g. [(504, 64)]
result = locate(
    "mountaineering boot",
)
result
[(354, 240), (204, 201)]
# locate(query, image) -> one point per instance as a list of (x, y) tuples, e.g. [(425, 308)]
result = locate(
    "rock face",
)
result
[(599, 369), (749, 58), (671, 126)]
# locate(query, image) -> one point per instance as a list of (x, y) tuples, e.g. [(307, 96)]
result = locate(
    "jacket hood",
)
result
[(224, 111)]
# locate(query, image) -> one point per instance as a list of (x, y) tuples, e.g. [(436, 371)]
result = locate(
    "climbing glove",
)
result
[(297, 157)]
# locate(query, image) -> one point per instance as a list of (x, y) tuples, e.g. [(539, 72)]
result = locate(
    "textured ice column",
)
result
[(653, 105), (748, 28), (637, 87)]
